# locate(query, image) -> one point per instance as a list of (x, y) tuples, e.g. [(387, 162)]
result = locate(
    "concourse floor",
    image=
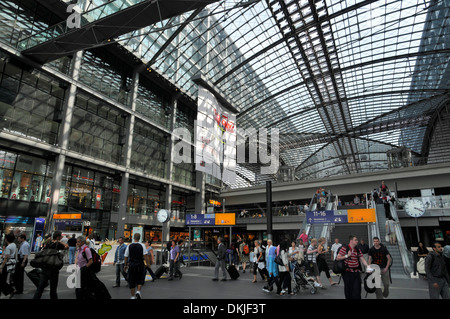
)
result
[(196, 283)]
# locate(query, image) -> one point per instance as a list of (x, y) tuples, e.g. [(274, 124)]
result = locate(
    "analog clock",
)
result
[(414, 207), (163, 215)]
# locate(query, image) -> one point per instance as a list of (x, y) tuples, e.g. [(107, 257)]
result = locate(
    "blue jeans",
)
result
[(72, 255)]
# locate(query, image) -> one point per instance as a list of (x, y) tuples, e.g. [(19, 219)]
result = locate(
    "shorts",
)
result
[(136, 276)]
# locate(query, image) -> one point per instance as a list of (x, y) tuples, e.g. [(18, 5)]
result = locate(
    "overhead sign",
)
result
[(67, 216), (362, 215), (225, 219), (341, 216), (222, 219), (200, 219), (327, 216)]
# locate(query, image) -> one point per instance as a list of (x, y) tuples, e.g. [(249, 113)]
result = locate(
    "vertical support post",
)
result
[(63, 142), (269, 209), (129, 128), (200, 182), (169, 167)]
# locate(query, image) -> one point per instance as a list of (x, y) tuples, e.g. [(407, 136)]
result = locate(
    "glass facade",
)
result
[(97, 129), (30, 103), (144, 199), (149, 150)]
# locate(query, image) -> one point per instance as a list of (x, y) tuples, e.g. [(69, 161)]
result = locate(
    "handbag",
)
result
[(48, 258), (10, 265), (278, 260), (421, 266)]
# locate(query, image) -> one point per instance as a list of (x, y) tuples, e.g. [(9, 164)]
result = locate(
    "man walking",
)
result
[(437, 275), (175, 255), (119, 261), (221, 254), (72, 243), (352, 278), (335, 248), (24, 252), (51, 275), (135, 254), (379, 255)]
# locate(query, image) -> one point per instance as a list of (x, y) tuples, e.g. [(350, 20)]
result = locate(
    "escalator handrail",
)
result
[(404, 253)]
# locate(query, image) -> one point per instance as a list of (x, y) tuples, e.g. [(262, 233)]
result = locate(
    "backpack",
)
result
[(246, 250), (339, 266), (96, 260)]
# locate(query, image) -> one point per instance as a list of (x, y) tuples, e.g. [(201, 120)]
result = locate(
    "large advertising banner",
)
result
[(215, 138)]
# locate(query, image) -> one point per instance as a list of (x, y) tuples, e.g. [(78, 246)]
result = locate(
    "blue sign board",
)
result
[(200, 219), (327, 216)]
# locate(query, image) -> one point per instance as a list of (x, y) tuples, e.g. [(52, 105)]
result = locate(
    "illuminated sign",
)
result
[(67, 216), (214, 202)]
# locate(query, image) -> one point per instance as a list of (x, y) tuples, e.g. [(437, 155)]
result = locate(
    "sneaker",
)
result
[(138, 295), (133, 298), (266, 290)]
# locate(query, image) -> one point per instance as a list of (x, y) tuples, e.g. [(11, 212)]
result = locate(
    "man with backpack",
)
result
[(352, 257), (379, 255)]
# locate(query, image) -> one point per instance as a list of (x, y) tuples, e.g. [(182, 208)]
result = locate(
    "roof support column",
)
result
[(63, 142), (127, 149)]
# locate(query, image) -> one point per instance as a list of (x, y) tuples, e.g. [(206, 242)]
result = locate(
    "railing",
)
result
[(404, 253), (261, 213), (373, 228)]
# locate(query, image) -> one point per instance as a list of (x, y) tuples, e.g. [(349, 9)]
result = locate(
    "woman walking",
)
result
[(258, 262), (321, 260), (285, 275)]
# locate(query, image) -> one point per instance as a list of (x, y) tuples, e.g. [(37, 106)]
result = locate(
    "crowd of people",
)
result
[(275, 264), (358, 257)]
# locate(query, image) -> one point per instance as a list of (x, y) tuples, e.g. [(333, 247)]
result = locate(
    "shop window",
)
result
[(6, 177)]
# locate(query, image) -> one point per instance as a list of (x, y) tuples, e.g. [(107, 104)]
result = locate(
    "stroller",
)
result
[(302, 279)]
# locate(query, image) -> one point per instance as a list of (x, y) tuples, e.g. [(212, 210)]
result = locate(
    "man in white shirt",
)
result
[(335, 248), (22, 260), (134, 265)]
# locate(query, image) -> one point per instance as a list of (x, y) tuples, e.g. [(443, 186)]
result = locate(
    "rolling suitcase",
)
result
[(160, 271), (232, 271)]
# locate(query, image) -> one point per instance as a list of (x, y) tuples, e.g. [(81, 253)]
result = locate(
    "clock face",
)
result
[(162, 216), (414, 208)]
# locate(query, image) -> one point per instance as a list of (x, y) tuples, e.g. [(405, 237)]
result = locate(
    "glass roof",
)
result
[(343, 81)]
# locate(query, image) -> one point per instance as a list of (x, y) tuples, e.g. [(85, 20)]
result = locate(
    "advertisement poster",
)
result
[(215, 138)]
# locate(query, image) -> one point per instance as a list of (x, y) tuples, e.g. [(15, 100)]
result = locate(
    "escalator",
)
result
[(319, 230), (402, 259)]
